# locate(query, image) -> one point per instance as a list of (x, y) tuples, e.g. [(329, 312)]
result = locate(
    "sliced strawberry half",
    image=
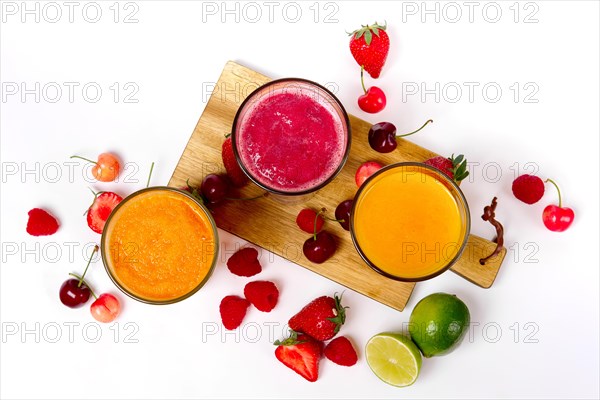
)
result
[(100, 210), (301, 354)]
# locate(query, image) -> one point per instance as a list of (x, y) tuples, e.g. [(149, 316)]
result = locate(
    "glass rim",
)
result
[(438, 175), (104, 245), (345, 120)]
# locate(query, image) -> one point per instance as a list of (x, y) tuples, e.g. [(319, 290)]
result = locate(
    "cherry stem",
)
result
[(333, 219), (412, 133), (85, 159), (321, 211), (150, 174), (248, 198), (86, 284), (96, 248), (558, 190), (362, 80)]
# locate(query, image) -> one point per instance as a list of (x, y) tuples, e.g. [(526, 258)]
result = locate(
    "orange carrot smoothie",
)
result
[(159, 245), (410, 222)]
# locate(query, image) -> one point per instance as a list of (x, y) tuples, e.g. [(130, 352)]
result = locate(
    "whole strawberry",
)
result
[(369, 46), (321, 319), (235, 173), (454, 167)]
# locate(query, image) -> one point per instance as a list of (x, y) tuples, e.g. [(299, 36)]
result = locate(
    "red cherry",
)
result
[(214, 188), (76, 292), (73, 293), (382, 136), (106, 169), (557, 218), (106, 308), (319, 248), (342, 213), (373, 100)]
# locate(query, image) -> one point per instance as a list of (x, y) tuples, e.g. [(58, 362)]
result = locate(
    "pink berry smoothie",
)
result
[(292, 138)]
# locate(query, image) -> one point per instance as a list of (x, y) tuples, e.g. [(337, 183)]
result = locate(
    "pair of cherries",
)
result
[(321, 245), (75, 292)]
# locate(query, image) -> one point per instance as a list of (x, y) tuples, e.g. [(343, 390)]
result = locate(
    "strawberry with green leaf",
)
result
[(369, 46), (454, 167), (321, 319)]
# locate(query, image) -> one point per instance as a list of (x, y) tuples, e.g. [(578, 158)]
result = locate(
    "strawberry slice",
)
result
[(365, 170), (100, 210), (301, 354)]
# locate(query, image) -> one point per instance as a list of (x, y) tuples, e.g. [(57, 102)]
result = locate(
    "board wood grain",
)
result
[(270, 224)]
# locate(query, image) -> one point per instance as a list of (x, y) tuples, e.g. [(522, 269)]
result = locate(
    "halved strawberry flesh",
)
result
[(99, 212), (302, 355)]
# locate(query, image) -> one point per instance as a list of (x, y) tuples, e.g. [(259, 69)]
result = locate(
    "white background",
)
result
[(535, 332)]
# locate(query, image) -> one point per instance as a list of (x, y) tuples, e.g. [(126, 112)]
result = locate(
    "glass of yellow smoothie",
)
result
[(159, 245), (410, 222)]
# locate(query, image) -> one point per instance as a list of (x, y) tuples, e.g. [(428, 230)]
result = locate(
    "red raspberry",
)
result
[(41, 223), (306, 221), (233, 310), (341, 352), (244, 262), (528, 188), (262, 294)]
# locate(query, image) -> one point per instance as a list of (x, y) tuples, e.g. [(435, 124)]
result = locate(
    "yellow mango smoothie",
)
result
[(159, 245), (410, 222)]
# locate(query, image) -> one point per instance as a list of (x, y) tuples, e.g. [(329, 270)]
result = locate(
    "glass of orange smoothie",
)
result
[(410, 222), (159, 245)]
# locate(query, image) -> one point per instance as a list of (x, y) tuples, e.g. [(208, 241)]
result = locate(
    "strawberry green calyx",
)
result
[(459, 167), (290, 340), (367, 31), (339, 312)]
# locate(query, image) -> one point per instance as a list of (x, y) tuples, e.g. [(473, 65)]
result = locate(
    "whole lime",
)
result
[(439, 323)]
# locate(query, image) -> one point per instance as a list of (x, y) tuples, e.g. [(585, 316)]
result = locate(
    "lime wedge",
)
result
[(394, 358)]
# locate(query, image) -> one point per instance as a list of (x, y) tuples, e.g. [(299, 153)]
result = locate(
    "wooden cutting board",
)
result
[(271, 224)]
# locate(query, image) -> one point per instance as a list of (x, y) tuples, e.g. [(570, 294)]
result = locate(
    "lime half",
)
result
[(394, 358)]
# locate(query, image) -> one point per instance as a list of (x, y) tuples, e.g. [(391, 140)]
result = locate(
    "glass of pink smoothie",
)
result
[(291, 136)]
